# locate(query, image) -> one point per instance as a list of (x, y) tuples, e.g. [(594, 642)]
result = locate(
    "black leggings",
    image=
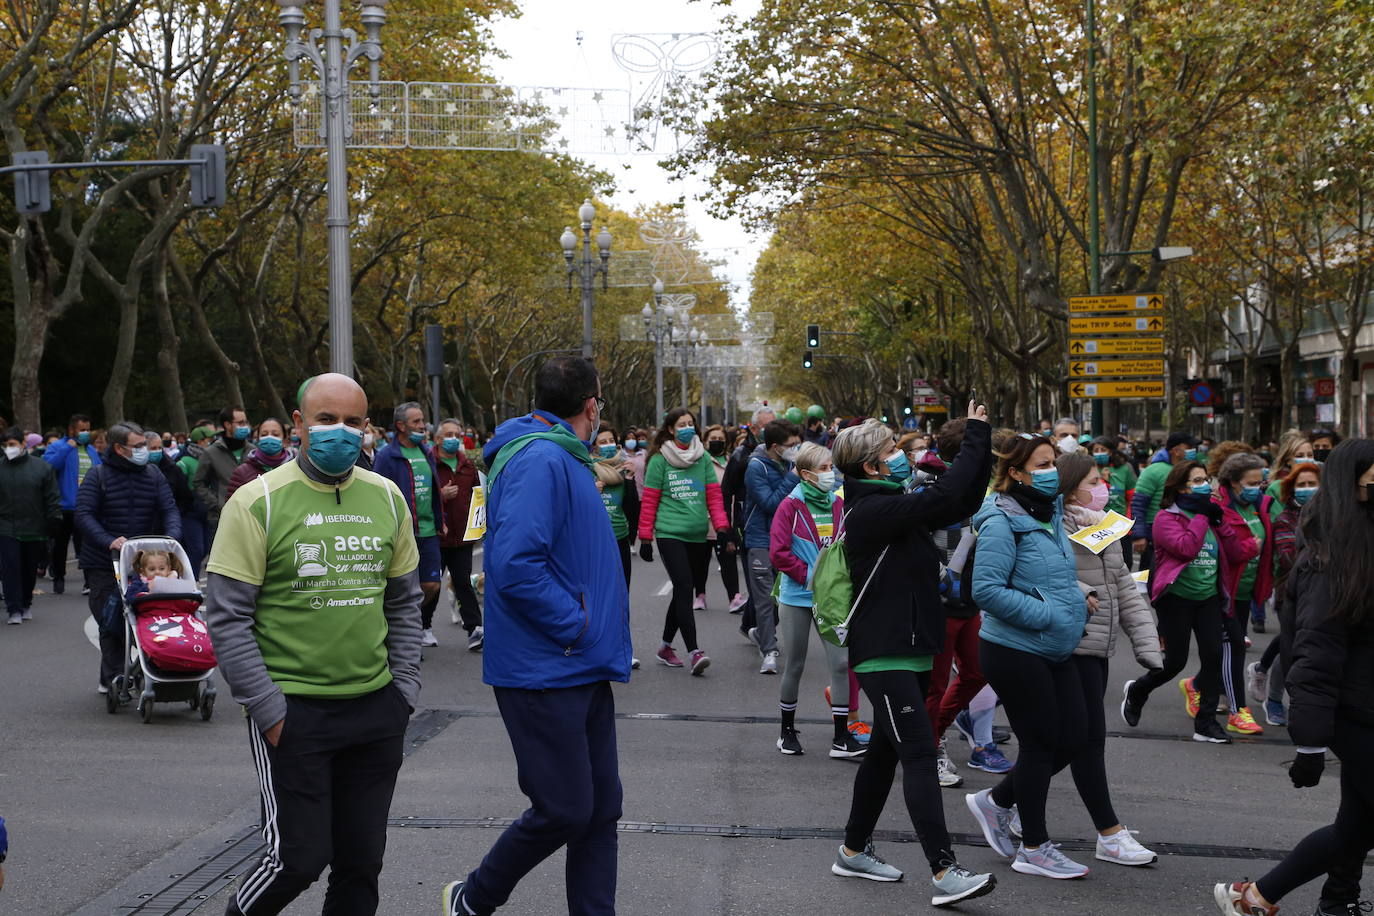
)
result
[(901, 731), (625, 557), (1047, 704), (1341, 846), (1179, 617), (682, 559), (458, 562), (729, 570)]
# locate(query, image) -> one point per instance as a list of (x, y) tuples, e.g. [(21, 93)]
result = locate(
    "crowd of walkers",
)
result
[(987, 569)]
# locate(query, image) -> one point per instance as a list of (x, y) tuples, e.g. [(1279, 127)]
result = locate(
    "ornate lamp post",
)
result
[(587, 268)]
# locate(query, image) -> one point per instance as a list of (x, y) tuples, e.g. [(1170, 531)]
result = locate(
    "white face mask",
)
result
[(13, 451), (825, 481), (789, 454), (1068, 444)]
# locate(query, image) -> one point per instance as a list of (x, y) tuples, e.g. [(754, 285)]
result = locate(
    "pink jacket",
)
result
[(794, 532), (1177, 540)]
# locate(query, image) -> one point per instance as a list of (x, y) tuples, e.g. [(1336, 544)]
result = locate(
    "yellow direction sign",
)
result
[(1116, 346), (1151, 322), (1146, 302), (1147, 388), (1081, 368)]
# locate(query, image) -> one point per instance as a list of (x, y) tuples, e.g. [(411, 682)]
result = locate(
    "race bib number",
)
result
[(827, 532), (1105, 533), (477, 515)]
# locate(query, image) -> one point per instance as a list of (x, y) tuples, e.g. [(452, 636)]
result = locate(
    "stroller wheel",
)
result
[(112, 700), (145, 709), (207, 707)]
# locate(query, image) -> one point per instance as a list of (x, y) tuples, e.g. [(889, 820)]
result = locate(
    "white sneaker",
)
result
[(16, 619), (947, 771), (634, 664), (1123, 849), (428, 639), (101, 689), (1257, 682), (770, 663), (28, 613)]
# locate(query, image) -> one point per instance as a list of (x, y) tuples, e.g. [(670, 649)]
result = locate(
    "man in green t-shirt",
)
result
[(313, 603), (409, 463)]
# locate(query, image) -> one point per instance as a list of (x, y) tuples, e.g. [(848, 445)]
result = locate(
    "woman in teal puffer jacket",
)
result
[(1026, 581)]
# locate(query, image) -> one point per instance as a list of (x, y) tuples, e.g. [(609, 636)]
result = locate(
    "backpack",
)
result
[(833, 591)]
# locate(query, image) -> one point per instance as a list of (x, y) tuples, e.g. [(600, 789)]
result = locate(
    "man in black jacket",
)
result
[(733, 492), (120, 499), (30, 510), (897, 629)]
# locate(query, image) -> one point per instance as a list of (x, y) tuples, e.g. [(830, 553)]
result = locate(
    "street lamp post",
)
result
[(690, 340), (658, 327), (587, 268), (332, 63)]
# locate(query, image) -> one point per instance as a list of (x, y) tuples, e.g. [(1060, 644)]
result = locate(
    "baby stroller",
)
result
[(168, 657)]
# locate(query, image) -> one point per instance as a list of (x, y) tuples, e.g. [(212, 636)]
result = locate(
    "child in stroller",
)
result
[(169, 632)]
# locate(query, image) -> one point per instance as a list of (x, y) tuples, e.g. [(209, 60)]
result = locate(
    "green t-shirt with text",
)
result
[(682, 510), (1151, 481), (1120, 480), (613, 498), (83, 463), (321, 559), (1198, 580), (424, 490), (1246, 589)]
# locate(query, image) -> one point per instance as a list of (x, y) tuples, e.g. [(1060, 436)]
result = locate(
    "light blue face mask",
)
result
[(334, 449), (1190, 455), (416, 438), (242, 432), (606, 451), (898, 467), (83, 437), (631, 444), (1250, 495), (140, 455), (451, 444), (1046, 481), (1201, 489), (1302, 494), (686, 434), (269, 445)]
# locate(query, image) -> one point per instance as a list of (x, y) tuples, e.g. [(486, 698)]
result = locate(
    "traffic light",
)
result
[(906, 407), (813, 336), (807, 359), (207, 177), (32, 192)]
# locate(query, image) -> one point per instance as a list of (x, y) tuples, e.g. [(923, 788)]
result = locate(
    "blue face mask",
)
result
[(686, 434), (155, 455), (269, 445), (1190, 455), (334, 449), (1250, 495), (898, 467), (84, 437), (631, 444), (1302, 494), (1102, 458), (140, 455), (415, 437), (451, 444), (1201, 489), (1046, 481), (606, 451), (242, 432)]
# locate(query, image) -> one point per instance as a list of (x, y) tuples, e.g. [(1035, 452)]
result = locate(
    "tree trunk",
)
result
[(33, 307), (1287, 361), (227, 367), (169, 352), (125, 338)]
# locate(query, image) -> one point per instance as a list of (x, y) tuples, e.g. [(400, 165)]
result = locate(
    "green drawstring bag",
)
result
[(833, 590)]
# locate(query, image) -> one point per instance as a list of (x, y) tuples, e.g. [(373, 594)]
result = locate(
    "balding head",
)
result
[(328, 399)]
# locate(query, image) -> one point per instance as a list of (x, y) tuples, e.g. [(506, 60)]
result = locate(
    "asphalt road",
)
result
[(108, 815)]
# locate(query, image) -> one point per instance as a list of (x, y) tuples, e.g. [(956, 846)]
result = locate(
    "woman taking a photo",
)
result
[(806, 522), (681, 504), (1200, 548), (1330, 680), (894, 635), (1026, 581)]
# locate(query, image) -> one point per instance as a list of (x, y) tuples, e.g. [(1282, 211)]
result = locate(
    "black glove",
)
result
[(646, 551), (1202, 505), (1213, 511), (1306, 770)]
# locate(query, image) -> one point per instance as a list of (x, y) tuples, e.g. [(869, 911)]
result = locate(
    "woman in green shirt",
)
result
[(1116, 470), (613, 473)]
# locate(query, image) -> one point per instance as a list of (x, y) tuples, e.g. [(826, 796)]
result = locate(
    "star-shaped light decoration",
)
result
[(563, 144), (387, 124), (597, 96), (451, 108), (426, 93), (452, 139), (563, 112)]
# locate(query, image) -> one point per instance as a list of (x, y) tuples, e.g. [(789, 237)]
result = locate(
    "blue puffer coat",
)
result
[(766, 485), (557, 612), (121, 499), (1026, 580)]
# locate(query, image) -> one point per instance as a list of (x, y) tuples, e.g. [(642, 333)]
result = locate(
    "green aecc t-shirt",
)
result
[(1198, 580), (424, 490), (321, 559)]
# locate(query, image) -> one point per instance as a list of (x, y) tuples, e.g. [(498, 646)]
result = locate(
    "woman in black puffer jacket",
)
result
[(1330, 679)]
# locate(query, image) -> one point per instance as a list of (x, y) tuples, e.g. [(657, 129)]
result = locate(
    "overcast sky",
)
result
[(543, 49)]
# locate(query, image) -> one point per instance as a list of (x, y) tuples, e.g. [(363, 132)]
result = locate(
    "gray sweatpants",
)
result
[(797, 624), (761, 578)]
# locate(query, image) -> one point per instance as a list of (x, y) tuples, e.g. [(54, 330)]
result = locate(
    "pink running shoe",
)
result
[(668, 657), (737, 602), (700, 662), (699, 603)]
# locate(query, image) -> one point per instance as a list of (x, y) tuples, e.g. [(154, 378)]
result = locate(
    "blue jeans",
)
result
[(565, 755)]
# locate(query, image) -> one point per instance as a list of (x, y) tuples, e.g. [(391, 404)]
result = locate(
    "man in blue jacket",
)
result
[(121, 499), (557, 635), (71, 458), (768, 479), (408, 462)]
